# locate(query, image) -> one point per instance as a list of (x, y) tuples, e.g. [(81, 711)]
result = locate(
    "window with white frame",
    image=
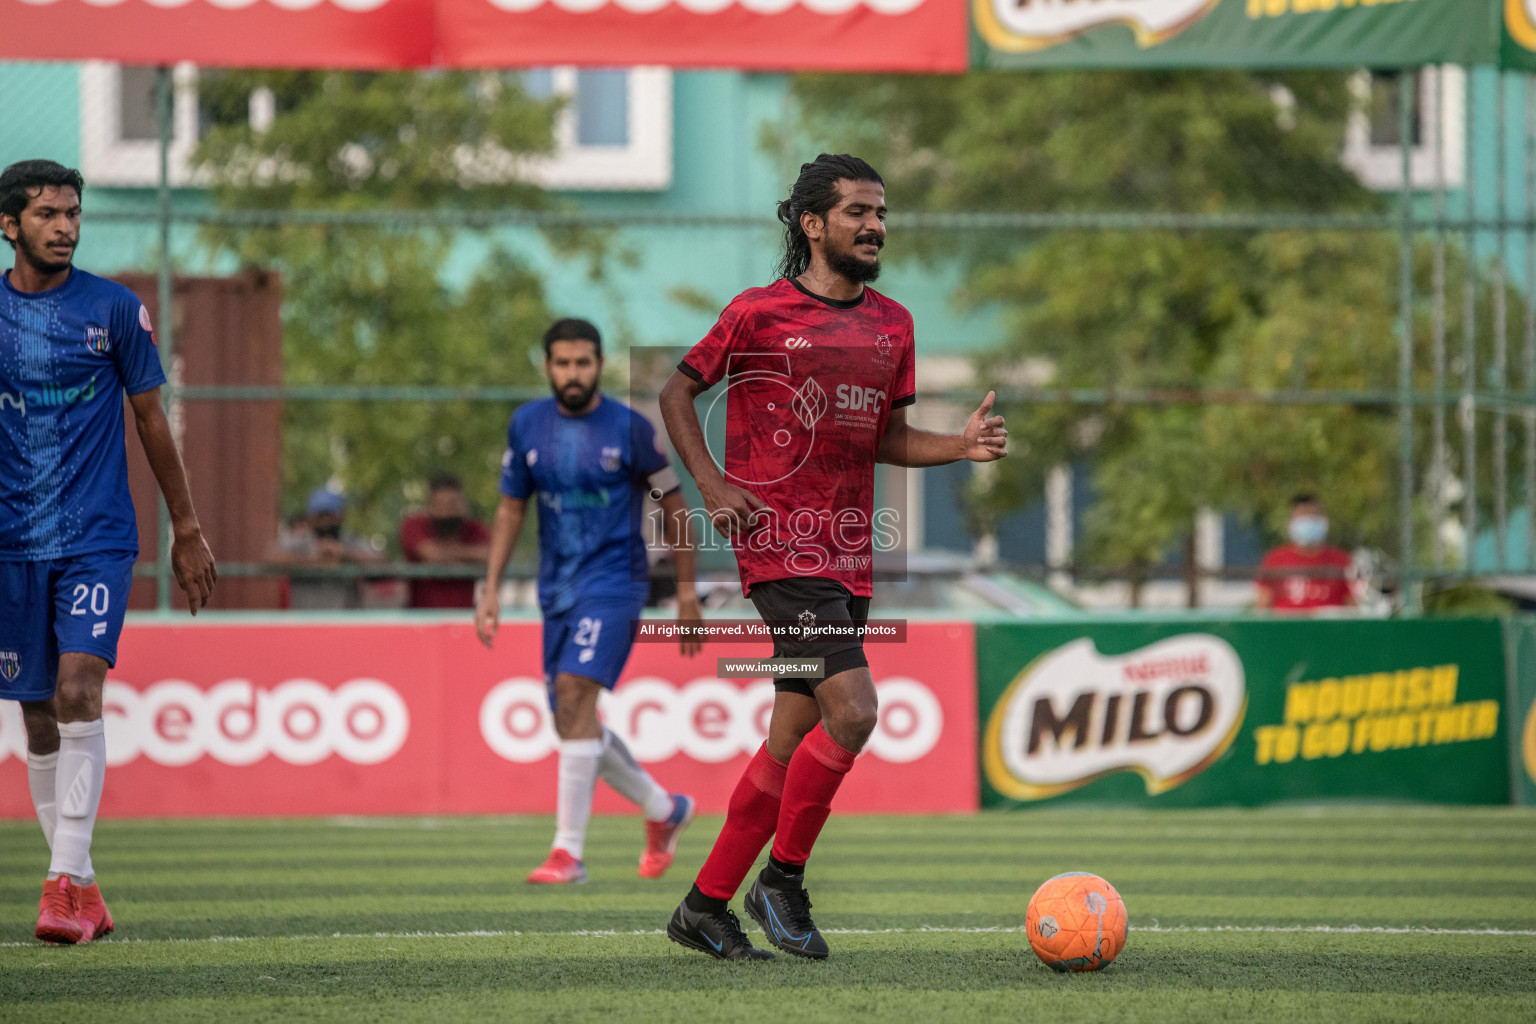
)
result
[(119, 126), (613, 133), (1437, 153)]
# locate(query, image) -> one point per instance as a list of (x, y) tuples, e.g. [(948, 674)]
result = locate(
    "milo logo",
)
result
[(1027, 25), (1166, 712)]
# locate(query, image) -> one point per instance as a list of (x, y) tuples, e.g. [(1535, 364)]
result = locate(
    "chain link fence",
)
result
[(402, 335)]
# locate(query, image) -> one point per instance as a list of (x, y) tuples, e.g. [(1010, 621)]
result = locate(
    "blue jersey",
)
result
[(591, 474), (66, 357)]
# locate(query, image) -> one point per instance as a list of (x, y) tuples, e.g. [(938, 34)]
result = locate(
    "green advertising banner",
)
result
[(1195, 713), (1016, 34), (1520, 638)]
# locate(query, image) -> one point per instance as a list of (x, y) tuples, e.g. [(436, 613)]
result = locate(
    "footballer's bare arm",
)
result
[(504, 532), (984, 440), (729, 507), (191, 559)]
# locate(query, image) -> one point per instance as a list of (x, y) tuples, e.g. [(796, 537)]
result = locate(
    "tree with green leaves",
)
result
[(375, 302)]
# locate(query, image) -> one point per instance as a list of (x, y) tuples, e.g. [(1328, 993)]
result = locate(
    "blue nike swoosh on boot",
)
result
[(784, 932)]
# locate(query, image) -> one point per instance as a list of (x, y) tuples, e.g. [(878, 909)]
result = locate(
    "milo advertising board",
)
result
[(1521, 637), (1190, 712)]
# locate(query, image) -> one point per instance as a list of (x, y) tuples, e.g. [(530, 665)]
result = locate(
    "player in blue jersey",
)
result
[(71, 344), (591, 461)]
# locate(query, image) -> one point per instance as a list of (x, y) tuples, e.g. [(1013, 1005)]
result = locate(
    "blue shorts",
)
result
[(62, 606), (591, 640)]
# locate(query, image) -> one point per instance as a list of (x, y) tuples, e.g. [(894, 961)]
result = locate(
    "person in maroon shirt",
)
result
[(1307, 573), (444, 535), (819, 370)]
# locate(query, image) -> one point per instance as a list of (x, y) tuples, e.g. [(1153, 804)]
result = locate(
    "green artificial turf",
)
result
[(1371, 914)]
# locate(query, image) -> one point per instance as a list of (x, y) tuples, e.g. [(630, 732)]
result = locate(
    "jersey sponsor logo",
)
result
[(575, 498), (851, 396), (1166, 712), (10, 665), (98, 340), (1023, 26), (611, 459), (173, 722), (47, 396), (706, 719), (797, 343), (144, 319)]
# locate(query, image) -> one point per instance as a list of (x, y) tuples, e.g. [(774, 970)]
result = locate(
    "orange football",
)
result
[(1076, 922)]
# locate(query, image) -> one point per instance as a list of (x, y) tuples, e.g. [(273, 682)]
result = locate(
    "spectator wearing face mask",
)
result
[(1306, 573), (445, 534), (320, 541)]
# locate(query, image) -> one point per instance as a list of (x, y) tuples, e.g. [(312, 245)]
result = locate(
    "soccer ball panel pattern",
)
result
[(1076, 922)]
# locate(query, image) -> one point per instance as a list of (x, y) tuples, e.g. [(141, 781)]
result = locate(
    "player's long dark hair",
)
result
[(23, 180), (815, 191)]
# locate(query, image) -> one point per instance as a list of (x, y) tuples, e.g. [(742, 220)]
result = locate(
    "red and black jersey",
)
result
[(810, 385)]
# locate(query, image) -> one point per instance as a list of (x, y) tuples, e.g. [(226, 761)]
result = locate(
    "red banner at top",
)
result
[(759, 35)]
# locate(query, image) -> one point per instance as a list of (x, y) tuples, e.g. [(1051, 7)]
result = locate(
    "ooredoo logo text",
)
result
[(300, 721), (707, 719)]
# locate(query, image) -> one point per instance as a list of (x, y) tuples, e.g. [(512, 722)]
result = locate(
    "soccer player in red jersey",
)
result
[(819, 371), (1306, 574)]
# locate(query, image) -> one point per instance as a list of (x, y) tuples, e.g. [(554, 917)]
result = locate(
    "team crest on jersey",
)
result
[(611, 459), (98, 340), (883, 344), (10, 665)]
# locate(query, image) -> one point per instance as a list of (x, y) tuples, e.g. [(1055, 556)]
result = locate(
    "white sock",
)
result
[(578, 777), (82, 772), (620, 770), (41, 772)]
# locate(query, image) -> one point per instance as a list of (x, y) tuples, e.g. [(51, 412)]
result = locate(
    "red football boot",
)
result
[(57, 919), (560, 869), (661, 837), (92, 913)]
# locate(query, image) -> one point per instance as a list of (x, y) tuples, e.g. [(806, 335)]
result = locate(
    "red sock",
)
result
[(749, 821), (815, 772)]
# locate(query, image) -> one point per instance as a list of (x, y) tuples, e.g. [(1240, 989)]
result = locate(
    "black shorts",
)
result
[(812, 600)]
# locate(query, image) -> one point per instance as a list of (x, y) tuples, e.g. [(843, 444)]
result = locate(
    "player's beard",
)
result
[(845, 263), (38, 256), (574, 397)]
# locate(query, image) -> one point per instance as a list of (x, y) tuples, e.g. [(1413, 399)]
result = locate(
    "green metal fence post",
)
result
[(164, 88), (1406, 85)]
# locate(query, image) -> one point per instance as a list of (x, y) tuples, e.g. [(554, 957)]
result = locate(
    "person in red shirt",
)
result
[(818, 371), (1306, 573), (444, 535)]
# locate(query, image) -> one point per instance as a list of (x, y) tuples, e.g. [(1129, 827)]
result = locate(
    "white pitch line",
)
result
[(1318, 929)]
